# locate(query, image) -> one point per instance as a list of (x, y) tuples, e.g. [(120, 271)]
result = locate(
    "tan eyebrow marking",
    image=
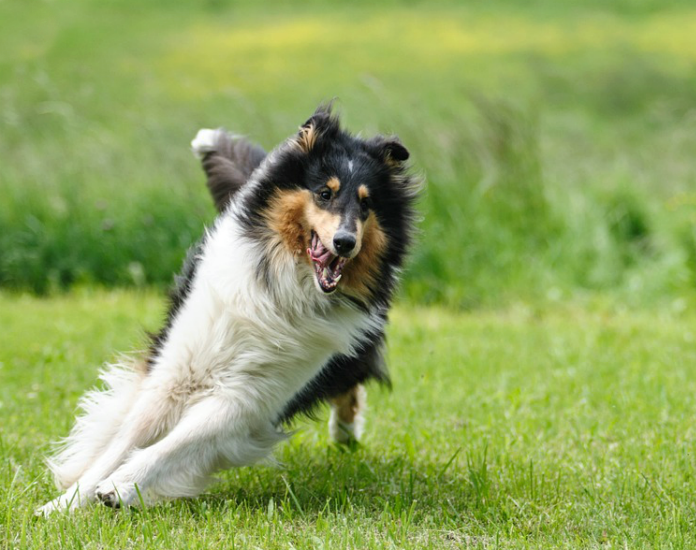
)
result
[(363, 192), (334, 184)]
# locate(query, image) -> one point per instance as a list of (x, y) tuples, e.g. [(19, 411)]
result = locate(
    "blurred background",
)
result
[(558, 139)]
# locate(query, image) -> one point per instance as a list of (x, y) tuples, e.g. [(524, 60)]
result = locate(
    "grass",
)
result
[(557, 139), (556, 427)]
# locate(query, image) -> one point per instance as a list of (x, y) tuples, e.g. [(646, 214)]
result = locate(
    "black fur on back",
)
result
[(177, 296)]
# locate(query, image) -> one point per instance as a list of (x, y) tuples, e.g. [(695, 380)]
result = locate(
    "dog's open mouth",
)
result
[(327, 266)]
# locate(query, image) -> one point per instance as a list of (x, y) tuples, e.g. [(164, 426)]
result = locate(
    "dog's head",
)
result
[(342, 205)]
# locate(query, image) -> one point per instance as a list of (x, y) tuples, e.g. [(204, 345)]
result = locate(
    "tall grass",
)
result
[(557, 144)]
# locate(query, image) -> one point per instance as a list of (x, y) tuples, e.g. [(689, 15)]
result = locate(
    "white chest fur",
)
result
[(236, 338)]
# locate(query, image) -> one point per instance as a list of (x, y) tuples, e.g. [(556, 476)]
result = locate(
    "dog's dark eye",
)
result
[(325, 195), (364, 207)]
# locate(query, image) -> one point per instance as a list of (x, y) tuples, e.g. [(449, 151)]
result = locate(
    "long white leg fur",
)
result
[(212, 434), (103, 412), (147, 413)]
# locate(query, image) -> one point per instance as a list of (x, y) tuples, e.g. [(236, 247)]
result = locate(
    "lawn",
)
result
[(562, 427)]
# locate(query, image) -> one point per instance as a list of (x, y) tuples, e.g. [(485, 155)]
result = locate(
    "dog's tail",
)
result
[(227, 160)]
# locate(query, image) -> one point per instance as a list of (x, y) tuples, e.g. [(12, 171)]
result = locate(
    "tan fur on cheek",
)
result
[(359, 231), (286, 217), (362, 272)]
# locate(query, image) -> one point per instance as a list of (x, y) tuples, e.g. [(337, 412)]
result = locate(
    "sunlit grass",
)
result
[(562, 427), (257, 56)]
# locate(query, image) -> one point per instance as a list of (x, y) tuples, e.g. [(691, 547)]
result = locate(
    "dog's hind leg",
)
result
[(340, 383), (212, 434), (347, 415)]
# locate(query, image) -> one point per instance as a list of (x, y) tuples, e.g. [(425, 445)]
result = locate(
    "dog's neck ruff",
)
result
[(233, 332)]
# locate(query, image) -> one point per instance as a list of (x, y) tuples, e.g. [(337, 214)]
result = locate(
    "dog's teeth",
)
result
[(325, 273), (338, 278)]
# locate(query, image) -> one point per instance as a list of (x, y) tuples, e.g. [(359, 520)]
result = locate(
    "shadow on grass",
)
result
[(346, 482)]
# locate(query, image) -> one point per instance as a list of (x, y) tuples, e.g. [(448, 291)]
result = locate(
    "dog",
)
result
[(280, 307)]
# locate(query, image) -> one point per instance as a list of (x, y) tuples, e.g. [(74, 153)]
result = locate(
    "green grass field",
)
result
[(529, 428)]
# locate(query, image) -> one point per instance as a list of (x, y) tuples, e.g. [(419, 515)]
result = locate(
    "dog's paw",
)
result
[(205, 142), (117, 495), (345, 433), (49, 508), (109, 498), (67, 502)]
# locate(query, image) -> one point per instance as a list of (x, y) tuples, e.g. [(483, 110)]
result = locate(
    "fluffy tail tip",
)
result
[(206, 141)]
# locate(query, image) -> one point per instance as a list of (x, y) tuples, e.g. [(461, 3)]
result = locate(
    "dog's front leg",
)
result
[(149, 416), (211, 434)]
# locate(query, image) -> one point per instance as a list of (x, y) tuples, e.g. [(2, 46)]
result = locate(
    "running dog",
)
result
[(280, 307)]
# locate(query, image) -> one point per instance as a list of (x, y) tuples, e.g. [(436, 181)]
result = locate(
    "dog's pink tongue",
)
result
[(318, 252)]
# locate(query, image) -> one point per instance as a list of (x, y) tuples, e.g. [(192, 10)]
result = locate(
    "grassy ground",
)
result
[(557, 138), (569, 427)]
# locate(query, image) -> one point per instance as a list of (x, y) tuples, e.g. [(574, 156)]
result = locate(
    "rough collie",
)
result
[(280, 307)]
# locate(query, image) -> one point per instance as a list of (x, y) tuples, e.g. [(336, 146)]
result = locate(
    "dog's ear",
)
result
[(388, 149), (323, 123)]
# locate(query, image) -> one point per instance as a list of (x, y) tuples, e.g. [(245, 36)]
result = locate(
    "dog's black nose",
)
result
[(344, 242)]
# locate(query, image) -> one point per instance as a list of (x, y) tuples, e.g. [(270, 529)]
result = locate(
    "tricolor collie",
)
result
[(281, 306)]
